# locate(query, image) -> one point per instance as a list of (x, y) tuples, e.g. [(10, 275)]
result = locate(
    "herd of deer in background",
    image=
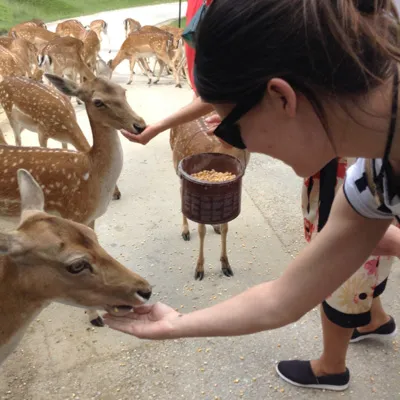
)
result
[(58, 193)]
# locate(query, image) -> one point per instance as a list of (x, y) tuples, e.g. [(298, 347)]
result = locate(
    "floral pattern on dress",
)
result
[(356, 294)]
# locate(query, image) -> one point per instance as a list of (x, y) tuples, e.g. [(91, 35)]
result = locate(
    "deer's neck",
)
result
[(106, 152), (17, 307)]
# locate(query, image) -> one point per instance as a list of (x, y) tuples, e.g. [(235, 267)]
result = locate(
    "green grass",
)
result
[(15, 11)]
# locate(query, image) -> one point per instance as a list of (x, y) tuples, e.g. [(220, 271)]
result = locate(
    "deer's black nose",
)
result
[(139, 128), (146, 294)]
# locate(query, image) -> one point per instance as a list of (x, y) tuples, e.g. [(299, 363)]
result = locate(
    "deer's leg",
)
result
[(217, 229), (145, 68), (42, 139), (200, 261), (142, 66), (2, 139), (117, 194), (185, 229), (226, 268), (17, 129)]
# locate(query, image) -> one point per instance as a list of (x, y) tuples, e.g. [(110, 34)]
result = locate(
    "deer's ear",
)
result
[(32, 197), (65, 86)]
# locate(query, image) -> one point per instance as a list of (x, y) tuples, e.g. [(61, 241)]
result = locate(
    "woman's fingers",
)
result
[(214, 119), (132, 137)]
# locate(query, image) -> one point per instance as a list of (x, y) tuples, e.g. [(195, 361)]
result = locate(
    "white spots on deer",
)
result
[(86, 176)]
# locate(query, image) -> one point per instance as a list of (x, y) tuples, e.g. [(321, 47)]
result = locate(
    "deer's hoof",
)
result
[(97, 322), (199, 275), (117, 194), (129, 83), (156, 81), (227, 270), (109, 51), (178, 85), (217, 229), (186, 236)]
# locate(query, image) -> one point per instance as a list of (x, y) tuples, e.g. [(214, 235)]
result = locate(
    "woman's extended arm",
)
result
[(335, 254), (196, 109)]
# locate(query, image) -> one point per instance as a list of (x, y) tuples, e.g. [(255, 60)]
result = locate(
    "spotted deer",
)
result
[(35, 22), (91, 49), (189, 139), (100, 27), (11, 65), (6, 41), (50, 259), (72, 28), (36, 35), (26, 53), (131, 25), (65, 56), (140, 45), (78, 185), (43, 109)]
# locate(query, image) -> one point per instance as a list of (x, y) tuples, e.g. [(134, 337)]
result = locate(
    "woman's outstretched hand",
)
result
[(212, 123), (151, 321), (143, 138)]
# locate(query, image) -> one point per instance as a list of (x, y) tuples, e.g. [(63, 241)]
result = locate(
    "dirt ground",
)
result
[(62, 357)]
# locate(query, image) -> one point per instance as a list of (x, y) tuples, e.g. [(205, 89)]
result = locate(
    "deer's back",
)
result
[(192, 138)]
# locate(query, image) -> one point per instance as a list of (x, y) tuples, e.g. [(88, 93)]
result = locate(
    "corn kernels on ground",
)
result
[(213, 176)]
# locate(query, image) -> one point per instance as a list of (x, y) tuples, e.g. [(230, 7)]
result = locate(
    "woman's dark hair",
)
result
[(331, 47)]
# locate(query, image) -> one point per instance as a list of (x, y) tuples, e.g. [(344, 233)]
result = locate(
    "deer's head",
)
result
[(105, 100), (60, 260)]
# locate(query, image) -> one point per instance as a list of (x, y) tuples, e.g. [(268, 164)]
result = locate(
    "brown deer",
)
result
[(100, 27), (91, 49), (6, 41), (65, 56), (51, 259), (71, 27), (35, 22), (11, 65), (189, 139), (140, 45), (40, 108), (131, 25), (26, 53), (78, 185), (36, 35)]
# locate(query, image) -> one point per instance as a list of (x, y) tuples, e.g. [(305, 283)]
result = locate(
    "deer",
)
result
[(26, 53), (35, 22), (100, 27), (102, 69), (71, 27), (36, 35), (11, 65), (189, 139), (131, 25), (50, 259), (43, 109), (65, 56), (78, 185), (139, 45), (91, 49), (6, 41)]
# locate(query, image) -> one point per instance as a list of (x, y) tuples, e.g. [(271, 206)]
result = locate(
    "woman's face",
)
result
[(285, 126)]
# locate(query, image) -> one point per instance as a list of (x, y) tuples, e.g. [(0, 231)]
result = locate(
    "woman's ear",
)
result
[(283, 97)]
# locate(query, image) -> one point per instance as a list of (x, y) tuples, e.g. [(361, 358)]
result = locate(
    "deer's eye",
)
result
[(98, 103), (78, 266)]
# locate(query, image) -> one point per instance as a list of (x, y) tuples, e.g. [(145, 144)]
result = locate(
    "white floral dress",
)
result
[(349, 306)]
